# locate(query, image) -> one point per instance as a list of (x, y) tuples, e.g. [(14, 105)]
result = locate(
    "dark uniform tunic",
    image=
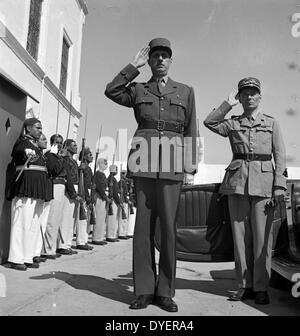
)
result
[(163, 149), (33, 182), (101, 184)]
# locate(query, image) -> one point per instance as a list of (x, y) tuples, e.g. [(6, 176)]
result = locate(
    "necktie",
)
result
[(160, 86)]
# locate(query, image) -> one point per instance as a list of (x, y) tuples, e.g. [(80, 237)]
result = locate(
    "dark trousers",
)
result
[(155, 197)]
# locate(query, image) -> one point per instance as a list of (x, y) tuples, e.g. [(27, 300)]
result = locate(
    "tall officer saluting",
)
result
[(162, 155), (250, 181)]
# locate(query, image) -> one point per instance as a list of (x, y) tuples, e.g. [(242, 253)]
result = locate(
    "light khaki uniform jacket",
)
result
[(263, 136)]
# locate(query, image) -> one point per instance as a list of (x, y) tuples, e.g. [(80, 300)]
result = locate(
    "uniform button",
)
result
[(161, 108), (161, 133), (161, 98)]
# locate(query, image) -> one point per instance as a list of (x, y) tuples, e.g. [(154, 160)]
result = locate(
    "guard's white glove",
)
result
[(54, 149), (29, 152), (188, 179)]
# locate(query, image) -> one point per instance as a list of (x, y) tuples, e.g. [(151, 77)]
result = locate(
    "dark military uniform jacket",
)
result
[(33, 182), (123, 190), (101, 184), (263, 136), (152, 155), (113, 189)]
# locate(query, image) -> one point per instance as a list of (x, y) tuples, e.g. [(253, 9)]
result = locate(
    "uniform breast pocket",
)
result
[(144, 106), (264, 135), (238, 136), (178, 106)]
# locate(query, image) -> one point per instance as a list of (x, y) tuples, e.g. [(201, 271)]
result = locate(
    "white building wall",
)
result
[(59, 17), (14, 14)]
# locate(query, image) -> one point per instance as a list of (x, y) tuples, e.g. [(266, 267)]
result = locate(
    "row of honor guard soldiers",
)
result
[(53, 197)]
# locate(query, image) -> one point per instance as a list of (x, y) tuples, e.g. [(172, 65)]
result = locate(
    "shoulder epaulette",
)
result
[(235, 117), (268, 116)]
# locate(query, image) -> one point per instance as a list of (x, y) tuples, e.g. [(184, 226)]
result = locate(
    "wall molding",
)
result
[(8, 38), (61, 97)]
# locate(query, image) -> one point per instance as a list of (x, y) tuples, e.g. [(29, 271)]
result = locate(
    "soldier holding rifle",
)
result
[(113, 205), (28, 196), (86, 182), (123, 216), (71, 199), (55, 163), (101, 200)]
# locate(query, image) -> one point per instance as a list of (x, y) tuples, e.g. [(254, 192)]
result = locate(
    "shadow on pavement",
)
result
[(110, 289)]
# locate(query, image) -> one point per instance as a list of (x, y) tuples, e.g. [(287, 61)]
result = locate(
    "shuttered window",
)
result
[(34, 27), (64, 66)]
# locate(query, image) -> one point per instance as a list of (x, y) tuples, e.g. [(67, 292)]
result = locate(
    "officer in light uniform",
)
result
[(251, 181)]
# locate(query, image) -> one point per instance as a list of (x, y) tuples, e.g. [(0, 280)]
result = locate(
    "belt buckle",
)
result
[(160, 125), (250, 156)]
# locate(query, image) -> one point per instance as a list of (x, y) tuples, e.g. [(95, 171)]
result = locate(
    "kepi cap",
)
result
[(160, 43), (249, 82)]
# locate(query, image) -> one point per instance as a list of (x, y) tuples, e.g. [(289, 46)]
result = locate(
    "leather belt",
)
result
[(252, 157), (162, 125), (32, 167), (59, 180)]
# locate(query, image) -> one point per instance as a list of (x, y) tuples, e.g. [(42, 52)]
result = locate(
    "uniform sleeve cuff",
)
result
[(130, 72)]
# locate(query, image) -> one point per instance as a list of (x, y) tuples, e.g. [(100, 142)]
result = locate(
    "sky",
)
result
[(215, 43)]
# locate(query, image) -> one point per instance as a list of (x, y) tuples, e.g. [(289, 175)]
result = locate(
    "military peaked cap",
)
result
[(160, 43), (249, 82)]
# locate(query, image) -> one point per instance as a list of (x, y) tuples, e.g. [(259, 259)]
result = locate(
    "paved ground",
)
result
[(99, 283)]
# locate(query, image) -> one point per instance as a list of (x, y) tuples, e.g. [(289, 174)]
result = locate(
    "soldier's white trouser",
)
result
[(112, 223), (55, 218), (123, 223), (42, 230), (70, 216), (25, 217), (99, 229), (131, 223), (82, 228)]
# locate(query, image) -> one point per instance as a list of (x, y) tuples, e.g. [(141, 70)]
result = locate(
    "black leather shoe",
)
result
[(49, 256), (262, 298), (85, 247), (242, 295), (19, 267), (123, 237), (112, 240), (64, 251), (39, 259), (32, 265), (166, 303), (142, 301), (94, 242)]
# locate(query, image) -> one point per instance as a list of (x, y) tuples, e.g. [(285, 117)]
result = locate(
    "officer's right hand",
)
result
[(233, 98), (141, 57)]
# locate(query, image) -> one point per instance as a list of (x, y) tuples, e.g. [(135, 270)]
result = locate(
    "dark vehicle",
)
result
[(204, 231)]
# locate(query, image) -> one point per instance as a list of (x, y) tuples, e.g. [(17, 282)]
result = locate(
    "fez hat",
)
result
[(31, 121), (249, 82), (160, 43), (113, 168)]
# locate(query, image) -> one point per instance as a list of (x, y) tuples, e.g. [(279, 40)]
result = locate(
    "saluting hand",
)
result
[(141, 57), (232, 100)]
